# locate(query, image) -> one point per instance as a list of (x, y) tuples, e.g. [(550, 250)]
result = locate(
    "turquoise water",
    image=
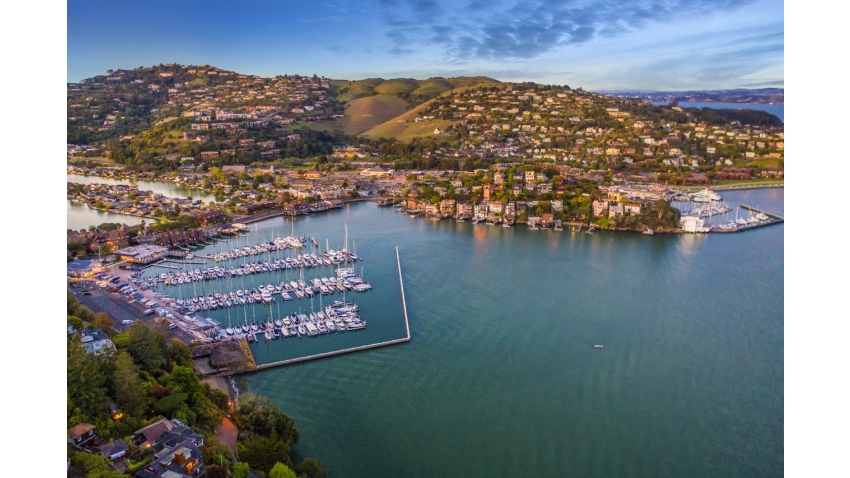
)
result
[(501, 377), (777, 110)]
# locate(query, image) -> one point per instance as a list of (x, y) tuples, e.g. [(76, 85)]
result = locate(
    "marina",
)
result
[(293, 297)]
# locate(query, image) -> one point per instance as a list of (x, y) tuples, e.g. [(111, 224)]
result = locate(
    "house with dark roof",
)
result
[(116, 453), (165, 434), (82, 435), (149, 435), (181, 460)]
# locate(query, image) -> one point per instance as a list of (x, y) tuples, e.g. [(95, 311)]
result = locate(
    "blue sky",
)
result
[(603, 44)]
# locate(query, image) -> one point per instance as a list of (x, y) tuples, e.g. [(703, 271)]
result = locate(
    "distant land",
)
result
[(738, 95)]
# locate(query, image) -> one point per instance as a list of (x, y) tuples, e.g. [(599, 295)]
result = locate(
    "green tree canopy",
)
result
[(86, 386), (311, 468), (147, 347), (263, 452), (279, 470)]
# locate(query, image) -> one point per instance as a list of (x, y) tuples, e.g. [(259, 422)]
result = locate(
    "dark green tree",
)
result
[(311, 468), (86, 386)]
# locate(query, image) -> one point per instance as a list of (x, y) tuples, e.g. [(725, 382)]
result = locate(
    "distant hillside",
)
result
[(738, 95)]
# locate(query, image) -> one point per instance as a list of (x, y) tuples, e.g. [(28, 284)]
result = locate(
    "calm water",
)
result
[(501, 377), (778, 110), (80, 216)]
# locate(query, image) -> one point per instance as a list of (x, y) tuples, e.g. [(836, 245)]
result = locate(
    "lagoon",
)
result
[(80, 216)]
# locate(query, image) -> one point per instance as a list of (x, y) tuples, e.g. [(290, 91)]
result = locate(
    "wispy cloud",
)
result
[(487, 31)]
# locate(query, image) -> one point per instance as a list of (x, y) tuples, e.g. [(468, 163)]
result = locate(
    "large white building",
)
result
[(142, 254)]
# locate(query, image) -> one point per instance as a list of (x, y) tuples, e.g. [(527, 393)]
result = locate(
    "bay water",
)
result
[(775, 109), (501, 376)]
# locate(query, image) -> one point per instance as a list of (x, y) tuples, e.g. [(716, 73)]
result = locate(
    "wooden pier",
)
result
[(362, 347)]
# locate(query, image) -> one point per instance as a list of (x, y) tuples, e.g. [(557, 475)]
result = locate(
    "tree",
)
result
[(216, 471), (147, 348), (263, 452), (279, 470), (179, 353), (311, 468), (105, 323), (240, 470), (86, 386), (128, 390), (75, 322), (257, 415), (92, 465)]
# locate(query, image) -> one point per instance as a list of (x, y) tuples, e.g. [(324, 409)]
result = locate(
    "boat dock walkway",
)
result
[(772, 216), (362, 347), (774, 219)]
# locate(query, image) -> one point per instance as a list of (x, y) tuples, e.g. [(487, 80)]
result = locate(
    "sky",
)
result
[(595, 45)]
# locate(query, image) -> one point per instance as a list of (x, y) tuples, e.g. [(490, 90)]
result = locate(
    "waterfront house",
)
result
[(82, 435), (615, 210), (600, 207), (632, 208)]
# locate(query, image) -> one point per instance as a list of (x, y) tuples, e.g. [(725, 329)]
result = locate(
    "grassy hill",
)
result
[(364, 113), (379, 108), (403, 127)]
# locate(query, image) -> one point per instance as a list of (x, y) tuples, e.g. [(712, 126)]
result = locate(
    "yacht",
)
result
[(706, 195)]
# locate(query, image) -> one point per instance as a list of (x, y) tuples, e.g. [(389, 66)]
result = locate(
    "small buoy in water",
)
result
[(597, 346)]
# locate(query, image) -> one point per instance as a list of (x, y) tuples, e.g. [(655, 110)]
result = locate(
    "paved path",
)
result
[(226, 432)]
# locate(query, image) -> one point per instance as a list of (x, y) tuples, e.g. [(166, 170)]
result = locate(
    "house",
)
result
[(116, 452), (151, 434), (529, 175), (632, 208), (82, 435), (447, 206), (600, 206), (547, 220), (210, 217), (96, 342), (615, 210), (183, 459), (313, 174)]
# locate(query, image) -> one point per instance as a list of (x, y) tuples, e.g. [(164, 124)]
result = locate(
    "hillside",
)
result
[(364, 113), (404, 127), (373, 102)]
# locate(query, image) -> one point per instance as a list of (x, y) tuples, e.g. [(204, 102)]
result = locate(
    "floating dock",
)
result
[(362, 347)]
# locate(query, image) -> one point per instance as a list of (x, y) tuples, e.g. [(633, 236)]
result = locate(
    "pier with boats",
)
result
[(709, 205), (249, 297)]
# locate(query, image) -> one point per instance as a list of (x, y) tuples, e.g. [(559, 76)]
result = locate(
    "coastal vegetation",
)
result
[(148, 377)]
